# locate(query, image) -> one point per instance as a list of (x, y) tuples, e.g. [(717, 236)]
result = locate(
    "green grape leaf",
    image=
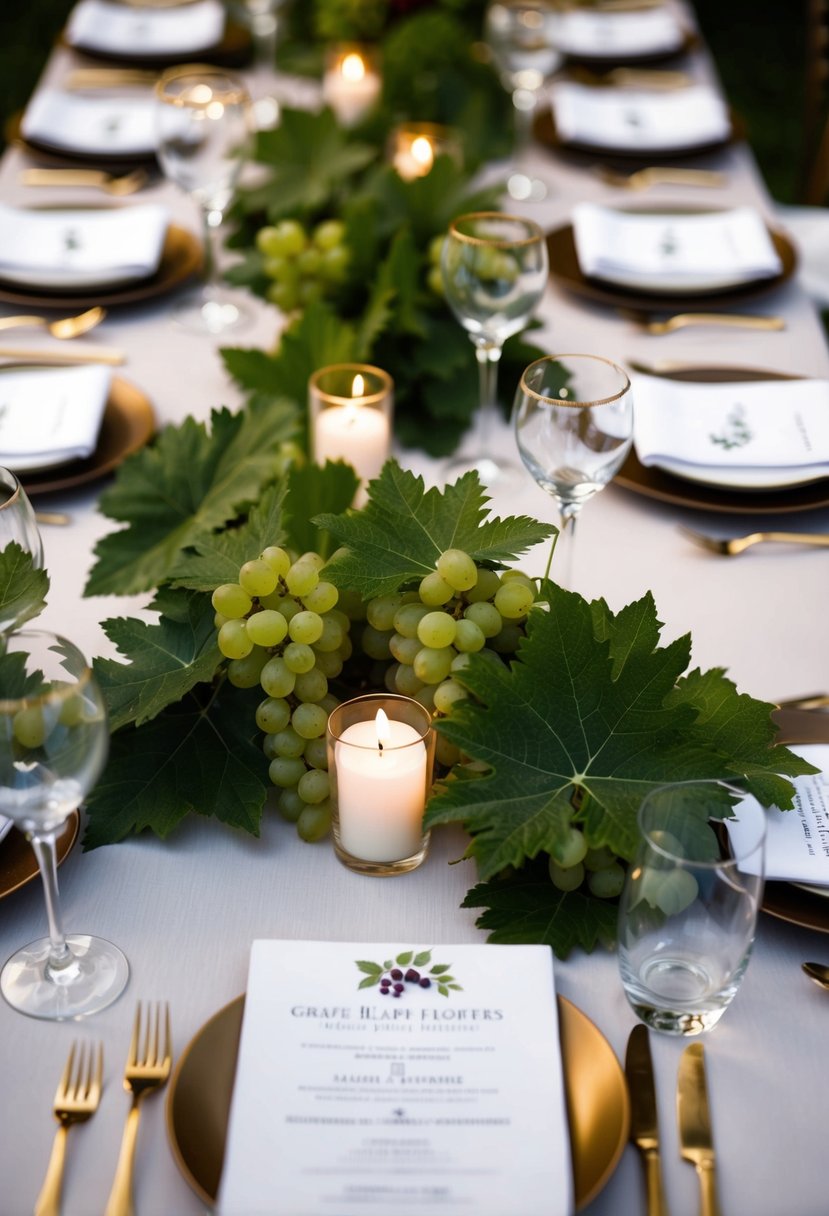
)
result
[(198, 756), (23, 588), (369, 968), (591, 715), (420, 960), (369, 981), (314, 490), (404, 959), (15, 683), (165, 660), (189, 482), (217, 556), (403, 529)]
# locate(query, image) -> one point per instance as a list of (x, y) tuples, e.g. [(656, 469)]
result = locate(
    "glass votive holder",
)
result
[(414, 147), (351, 410), (352, 83), (381, 751)]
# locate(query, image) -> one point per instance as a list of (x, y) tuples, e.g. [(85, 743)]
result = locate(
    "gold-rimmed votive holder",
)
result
[(352, 83), (415, 146), (351, 407), (381, 754)]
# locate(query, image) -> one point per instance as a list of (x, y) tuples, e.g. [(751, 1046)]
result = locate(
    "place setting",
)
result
[(602, 35), (152, 35), (112, 129)]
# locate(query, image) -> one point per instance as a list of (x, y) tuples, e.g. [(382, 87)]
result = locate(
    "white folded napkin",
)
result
[(704, 251), (95, 125), (766, 425), (599, 35), (120, 29), (81, 248), (647, 121), (49, 416)]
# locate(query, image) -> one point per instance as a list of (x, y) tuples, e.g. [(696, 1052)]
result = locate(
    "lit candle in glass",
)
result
[(351, 418), (414, 147), (351, 84)]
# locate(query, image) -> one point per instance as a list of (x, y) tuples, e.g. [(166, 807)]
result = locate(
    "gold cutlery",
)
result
[(109, 78), (695, 1139), (148, 1067), (738, 544), (818, 972), (657, 175), (644, 1128), (128, 183), (633, 78), (90, 354), (683, 319), (57, 518), (76, 1100), (66, 327)]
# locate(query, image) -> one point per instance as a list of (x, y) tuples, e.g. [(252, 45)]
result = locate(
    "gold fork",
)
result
[(634, 78), (147, 1069), (683, 319), (657, 175), (738, 544), (66, 327), (76, 1100), (97, 178)]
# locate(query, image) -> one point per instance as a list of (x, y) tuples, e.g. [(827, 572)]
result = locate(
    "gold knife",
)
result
[(92, 354), (644, 1128), (695, 1140)]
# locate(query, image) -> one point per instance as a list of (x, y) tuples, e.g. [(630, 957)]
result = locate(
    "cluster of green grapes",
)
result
[(423, 639), (573, 860), (280, 628), (304, 266)]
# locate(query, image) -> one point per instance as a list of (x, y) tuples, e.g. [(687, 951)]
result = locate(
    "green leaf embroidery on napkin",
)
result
[(23, 588)]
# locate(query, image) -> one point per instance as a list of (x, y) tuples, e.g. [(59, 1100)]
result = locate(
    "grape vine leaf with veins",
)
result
[(591, 715)]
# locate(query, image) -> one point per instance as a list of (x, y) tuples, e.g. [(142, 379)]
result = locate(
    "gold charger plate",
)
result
[(546, 133), (198, 1101), (665, 487), (567, 273), (128, 423), (181, 258), (234, 50), (17, 860)]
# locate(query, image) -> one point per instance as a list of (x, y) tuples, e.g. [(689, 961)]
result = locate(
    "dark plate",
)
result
[(58, 153), (17, 860), (656, 483), (566, 272), (181, 258), (601, 63), (234, 50), (545, 131)]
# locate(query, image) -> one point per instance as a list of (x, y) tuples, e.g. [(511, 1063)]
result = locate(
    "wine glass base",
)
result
[(526, 189), (211, 313), (95, 976), (501, 474)]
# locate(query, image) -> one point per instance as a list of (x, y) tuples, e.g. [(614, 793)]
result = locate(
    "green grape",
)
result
[(407, 619), (308, 262), (447, 693), (310, 290), (486, 617), (599, 859), (469, 636), (269, 747), (380, 612), (219, 620), (406, 682), (390, 677), (488, 583), (458, 569), (328, 662), (672, 891), (257, 577), (321, 598), (334, 264), (247, 672), (329, 234), (376, 644), (301, 578), (284, 295), (231, 600), (265, 239), (435, 251), (437, 629), (607, 883), (332, 635), (513, 576), (434, 590), (569, 879), (233, 639), (29, 726), (298, 657), (71, 710), (345, 648), (432, 665), (285, 604), (281, 270), (446, 753), (314, 786), (309, 721), (571, 851), (311, 685), (285, 239), (290, 805), (312, 559), (277, 559), (426, 697), (285, 771), (288, 743), (267, 628), (316, 753), (514, 599), (508, 640), (305, 627), (277, 679), (434, 280), (460, 662), (404, 649), (273, 714), (329, 702), (315, 822), (340, 618)]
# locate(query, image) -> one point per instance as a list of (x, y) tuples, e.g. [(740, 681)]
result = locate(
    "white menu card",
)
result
[(354, 1097)]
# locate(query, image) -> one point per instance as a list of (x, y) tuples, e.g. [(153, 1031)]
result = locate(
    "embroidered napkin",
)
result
[(674, 252), (51, 415), (598, 35), (81, 248), (120, 29), (628, 118), (96, 125)]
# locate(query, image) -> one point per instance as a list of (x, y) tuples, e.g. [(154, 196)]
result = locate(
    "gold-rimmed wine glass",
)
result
[(494, 269), (18, 527)]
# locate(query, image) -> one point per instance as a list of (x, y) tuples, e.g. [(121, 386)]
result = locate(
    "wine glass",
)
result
[(573, 419), (494, 269), (261, 17), (202, 121), (53, 746), (520, 36), (17, 526)]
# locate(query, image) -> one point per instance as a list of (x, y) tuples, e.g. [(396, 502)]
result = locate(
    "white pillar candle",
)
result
[(381, 790), (352, 423), (350, 87), (414, 158)]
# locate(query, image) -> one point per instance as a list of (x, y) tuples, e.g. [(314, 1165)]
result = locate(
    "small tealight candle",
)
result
[(350, 407), (351, 84), (380, 758), (414, 147)]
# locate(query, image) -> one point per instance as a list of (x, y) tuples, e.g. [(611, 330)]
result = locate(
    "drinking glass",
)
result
[(261, 17), (202, 121), (573, 419), (520, 36), (19, 526), (688, 910), (53, 746), (494, 269)]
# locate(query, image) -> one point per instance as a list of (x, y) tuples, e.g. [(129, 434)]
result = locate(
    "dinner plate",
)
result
[(234, 50), (17, 860), (60, 153), (181, 258), (567, 273), (545, 131), (599, 63), (198, 1101), (128, 423), (653, 482)]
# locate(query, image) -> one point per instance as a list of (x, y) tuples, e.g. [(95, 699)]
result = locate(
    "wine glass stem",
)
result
[(523, 105), (43, 844), (264, 31), (212, 220), (564, 544), (488, 355)]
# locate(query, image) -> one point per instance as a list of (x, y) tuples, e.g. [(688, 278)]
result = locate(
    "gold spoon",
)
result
[(96, 178), (66, 327), (818, 972)]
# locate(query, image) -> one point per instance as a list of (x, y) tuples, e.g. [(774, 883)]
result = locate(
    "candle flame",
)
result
[(381, 725), (422, 152), (352, 67), (358, 386)]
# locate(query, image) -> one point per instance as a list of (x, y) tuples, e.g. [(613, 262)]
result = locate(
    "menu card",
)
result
[(596, 35), (636, 119), (353, 1095), (122, 29), (50, 415), (97, 125)]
